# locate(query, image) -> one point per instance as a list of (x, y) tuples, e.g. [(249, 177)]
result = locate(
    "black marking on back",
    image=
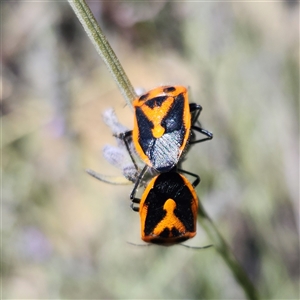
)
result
[(165, 233), (173, 119), (145, 126), (175, 232), (144, 97), (156, 102), (169, 186), (161, 241), (169, 89)]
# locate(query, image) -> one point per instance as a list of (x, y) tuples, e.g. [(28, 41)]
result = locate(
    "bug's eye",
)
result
[(156, 102)]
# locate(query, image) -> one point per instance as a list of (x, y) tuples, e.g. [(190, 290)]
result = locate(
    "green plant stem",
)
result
[(102, 46), (226, 253)]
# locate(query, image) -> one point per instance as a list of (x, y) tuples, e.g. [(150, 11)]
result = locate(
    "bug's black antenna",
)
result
[(134, 244), (195, 247)]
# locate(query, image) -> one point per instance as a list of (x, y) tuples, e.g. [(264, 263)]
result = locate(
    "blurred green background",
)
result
[(64, 234)]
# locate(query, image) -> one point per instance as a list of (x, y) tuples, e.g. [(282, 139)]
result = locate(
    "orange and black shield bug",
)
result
[(163, 121), (168, 208)]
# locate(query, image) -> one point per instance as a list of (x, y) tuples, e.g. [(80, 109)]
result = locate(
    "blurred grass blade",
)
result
[(102, 46), (226, 253)]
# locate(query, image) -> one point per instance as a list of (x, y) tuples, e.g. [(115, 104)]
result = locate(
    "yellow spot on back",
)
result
[(170, 220), (158, 131)]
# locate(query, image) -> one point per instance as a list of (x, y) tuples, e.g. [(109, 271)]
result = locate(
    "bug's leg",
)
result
[(195, 110), (125, 136), (135, 200), (137, 183), (208, 134), (196, 181)]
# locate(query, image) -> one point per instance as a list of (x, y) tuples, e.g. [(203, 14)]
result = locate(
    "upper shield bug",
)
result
[(168, 208), (163, 123)]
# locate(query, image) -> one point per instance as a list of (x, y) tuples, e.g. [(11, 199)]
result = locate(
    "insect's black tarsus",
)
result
[(195, 110), (196, 181)]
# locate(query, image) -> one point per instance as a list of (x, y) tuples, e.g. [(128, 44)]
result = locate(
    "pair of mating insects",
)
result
[(164, 126)]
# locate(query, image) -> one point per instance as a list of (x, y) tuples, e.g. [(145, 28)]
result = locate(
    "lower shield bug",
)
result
[(168, 208)]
